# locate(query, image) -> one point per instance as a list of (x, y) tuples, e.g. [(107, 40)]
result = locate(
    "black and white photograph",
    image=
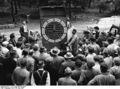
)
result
[(59, 43)]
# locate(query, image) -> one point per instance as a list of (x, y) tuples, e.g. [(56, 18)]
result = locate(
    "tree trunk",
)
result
[(89, 5), (12, 11)]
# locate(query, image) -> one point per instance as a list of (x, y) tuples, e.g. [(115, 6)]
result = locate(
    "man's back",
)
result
[(76, 74), (86, 76), (20, 76), (103, 79), (66, 81)]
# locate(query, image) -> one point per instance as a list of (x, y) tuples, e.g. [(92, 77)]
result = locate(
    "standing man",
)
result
[(24, 30), (67, 80), (73, 42), (105, 78), (40, 76)]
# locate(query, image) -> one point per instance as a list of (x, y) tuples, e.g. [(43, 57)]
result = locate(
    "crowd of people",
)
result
[(90, 60)]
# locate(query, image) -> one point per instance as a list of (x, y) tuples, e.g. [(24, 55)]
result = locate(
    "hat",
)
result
[(68, 70), (41, 63), (68, 55), (96, 27), (35, 47), (55, 51), (42, 49), (117, 61), (5, 43), (27, 45)]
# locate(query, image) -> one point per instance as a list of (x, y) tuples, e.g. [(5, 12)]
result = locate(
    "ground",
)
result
[(80, 22)]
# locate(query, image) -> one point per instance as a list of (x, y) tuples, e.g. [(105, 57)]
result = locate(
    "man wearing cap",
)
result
[(67, 63), (54, 64), (67, 80)]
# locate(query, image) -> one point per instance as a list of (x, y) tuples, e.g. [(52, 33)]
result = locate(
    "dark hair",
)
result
[(96, 58), (18, 44), (12, 35), (9, 46), (103, 67), (92, 39), (23, 63), (42, 49), (80, 57), (90, 65), (35, 48), (91, 49), (110, 40), (78, 63), (25, 52), (12, 53)]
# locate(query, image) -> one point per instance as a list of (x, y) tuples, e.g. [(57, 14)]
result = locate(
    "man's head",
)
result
[(90, 49), (78, 63), (92, 39), (23, 63), (42, 49), (74, 31), (90, 65), (117, 36), (41, 64), (68, 71), (110, 40), (24, 22), (104, 67), (96, 28), (25, 52), (35, 47), (18, 44), (12, 36)]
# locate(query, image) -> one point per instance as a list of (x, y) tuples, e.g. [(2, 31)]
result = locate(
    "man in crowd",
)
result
[(103, 79), (21, 75), (73, 42), (40, 76), (67, 80)]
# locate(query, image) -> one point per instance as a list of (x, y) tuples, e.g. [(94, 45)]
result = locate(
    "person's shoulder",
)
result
[(61, 79), (73, 81), (17, 68)]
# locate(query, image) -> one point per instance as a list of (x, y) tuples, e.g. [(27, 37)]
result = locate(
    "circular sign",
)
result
[(54, 30)]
